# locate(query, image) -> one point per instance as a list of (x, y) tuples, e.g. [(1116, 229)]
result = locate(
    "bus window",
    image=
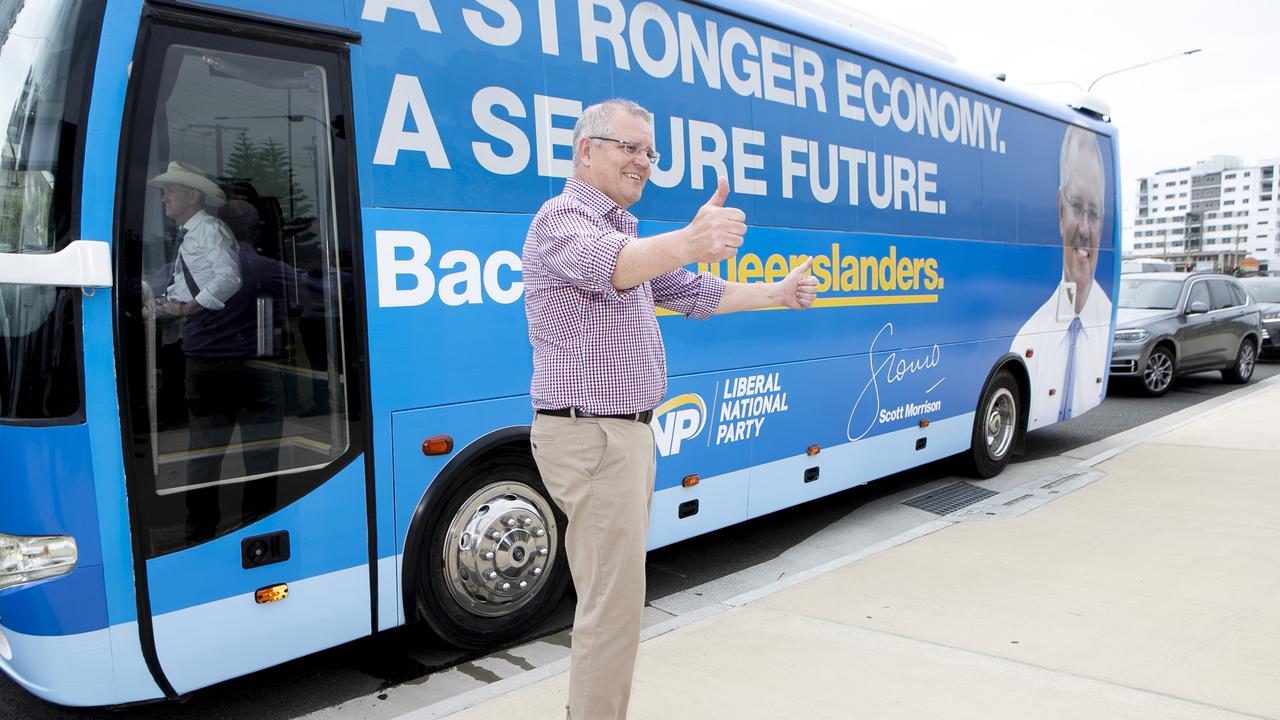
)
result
[(39, 352), (243, 287)]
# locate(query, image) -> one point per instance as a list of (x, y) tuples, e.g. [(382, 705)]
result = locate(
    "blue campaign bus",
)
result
[(340, 445)]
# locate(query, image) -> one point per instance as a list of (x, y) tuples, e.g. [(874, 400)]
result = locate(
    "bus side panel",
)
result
[(415, 472), (201, 642)]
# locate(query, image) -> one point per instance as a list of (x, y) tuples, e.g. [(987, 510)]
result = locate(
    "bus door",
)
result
[(242, 371)]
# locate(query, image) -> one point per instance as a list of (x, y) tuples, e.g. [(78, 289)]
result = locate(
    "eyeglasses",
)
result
[(631, 148), (1083, 211)]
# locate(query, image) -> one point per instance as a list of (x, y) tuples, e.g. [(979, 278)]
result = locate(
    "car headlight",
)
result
[(1132, 336), (1272, 316), (27, 558)]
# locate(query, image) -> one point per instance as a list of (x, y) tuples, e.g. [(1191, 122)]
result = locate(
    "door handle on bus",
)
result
[(82, 264)]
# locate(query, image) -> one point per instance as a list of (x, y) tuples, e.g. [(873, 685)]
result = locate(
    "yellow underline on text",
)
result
[(848, 302)]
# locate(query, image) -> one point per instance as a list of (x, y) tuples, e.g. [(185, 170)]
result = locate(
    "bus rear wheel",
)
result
[(492, 564), (995, 427)]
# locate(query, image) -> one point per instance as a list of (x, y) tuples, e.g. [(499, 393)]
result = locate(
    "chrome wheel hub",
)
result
[(1244, 367), (1158, 373), (498, 549), (999, 424)]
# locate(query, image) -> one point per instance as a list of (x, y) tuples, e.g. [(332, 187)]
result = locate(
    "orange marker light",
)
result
[(1030, 352), (437, 445), (924, 423), (271, 593), (690, 480), (814, 450), (1052, 392)]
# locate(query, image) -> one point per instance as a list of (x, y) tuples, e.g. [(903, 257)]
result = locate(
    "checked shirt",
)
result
[(597, 348)]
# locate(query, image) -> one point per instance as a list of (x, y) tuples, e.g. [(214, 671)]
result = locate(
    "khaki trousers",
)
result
[(600, 472)]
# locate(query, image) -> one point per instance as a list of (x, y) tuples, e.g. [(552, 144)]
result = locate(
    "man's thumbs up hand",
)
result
[(716, 231), (721, 193)]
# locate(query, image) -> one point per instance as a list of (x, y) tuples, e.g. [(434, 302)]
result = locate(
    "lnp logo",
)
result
[(681, 418)]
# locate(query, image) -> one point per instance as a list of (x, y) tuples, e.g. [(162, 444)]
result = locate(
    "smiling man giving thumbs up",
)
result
[(599, 369)]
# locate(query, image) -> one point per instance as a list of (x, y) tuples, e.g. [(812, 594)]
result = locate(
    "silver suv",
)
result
[(1171, 324)]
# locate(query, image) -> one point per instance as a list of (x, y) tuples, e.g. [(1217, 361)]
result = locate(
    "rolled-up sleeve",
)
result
[(572, 248), (691, 295)]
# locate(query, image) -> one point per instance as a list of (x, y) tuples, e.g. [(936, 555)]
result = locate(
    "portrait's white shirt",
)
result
[(1046, 334)]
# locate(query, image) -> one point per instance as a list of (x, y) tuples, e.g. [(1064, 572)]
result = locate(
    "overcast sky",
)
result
[(1224, 100)]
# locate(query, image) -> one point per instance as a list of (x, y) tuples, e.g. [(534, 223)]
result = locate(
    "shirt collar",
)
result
[(195, 220), (593, 198)]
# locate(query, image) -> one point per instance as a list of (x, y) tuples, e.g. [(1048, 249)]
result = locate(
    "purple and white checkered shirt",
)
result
[(597, 348)]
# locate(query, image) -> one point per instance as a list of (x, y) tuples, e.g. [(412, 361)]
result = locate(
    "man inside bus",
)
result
[(599, 368), (1068, 336), (204, 277)]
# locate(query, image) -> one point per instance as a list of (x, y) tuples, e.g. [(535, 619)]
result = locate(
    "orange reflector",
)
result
[(924, 423), (271, 593), (1030, 352), (690, 480), (814, 450), (437, 445)]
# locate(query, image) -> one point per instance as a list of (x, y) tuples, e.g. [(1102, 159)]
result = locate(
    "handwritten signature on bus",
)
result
[(895, 369)]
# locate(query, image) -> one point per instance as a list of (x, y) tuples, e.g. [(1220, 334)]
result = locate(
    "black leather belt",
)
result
[(640, 417)]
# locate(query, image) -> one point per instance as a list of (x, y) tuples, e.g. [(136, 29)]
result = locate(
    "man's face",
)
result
[(609, 169), (180, 202), (1080, 215)]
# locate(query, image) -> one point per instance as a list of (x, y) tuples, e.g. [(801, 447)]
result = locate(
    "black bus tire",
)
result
[(996, 426), (494, 529)]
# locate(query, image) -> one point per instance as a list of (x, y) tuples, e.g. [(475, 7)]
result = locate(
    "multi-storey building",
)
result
[(1218, 212)]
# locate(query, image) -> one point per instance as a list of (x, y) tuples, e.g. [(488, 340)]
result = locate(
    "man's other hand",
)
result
[(798, 289)]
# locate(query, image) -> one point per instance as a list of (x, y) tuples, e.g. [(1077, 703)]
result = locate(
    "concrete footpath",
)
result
[(1145, 585)]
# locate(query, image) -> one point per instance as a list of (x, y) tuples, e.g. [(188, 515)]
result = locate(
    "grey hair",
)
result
[(594, 121), (1077, 140)]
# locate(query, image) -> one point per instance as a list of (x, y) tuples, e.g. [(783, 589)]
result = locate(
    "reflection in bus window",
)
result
[(241, 292), (39, 357)]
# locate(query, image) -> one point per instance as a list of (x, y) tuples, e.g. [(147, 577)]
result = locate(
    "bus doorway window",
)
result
[(243, 294)]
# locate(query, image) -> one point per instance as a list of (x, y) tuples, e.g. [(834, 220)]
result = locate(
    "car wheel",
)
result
[(492, 566), (995, 427), (1157, 374), (1242, 371)]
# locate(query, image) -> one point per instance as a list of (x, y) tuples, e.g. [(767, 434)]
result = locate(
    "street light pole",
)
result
[(1142, 64), (1113, 72)]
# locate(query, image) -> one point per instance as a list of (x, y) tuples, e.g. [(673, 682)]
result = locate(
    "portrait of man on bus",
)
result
[(1068, 335)]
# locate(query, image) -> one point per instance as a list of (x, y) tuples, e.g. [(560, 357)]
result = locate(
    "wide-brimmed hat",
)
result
[(179, 173)]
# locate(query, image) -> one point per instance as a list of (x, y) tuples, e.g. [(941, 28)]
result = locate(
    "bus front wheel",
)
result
[(492, 563), (996, 426)]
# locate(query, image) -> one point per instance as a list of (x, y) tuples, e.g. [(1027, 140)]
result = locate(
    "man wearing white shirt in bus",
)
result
[(1068, 336)]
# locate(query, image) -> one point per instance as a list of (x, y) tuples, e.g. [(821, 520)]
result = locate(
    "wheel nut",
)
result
[(526, 520), (511, 522), (537, 571), (506, 587), (542, 552), (492, 575), (523, 584), (495, 535), (488, 555), (539, 532)]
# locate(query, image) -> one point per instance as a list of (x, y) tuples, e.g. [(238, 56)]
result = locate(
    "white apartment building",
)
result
[(1219, 211)]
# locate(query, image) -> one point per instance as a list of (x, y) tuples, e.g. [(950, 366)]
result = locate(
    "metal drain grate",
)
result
[(955, 496)]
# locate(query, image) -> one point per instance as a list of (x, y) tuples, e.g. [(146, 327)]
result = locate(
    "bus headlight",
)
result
[(1131, 336), (27, 558)]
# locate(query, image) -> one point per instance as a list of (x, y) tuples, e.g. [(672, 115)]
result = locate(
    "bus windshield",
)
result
[(39, 374)]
